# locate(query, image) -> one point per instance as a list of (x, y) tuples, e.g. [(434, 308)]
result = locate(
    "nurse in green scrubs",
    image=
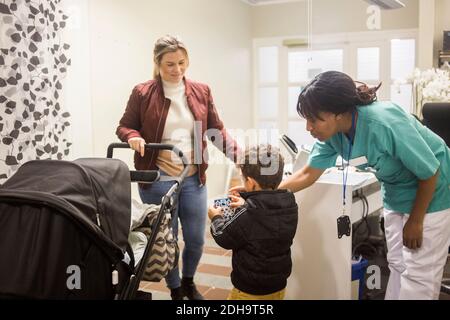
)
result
[(411, 162)]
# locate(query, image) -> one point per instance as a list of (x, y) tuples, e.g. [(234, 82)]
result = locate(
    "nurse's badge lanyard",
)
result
[(343, 222)]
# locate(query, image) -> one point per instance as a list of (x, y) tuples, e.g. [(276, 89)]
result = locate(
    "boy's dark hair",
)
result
[(264, 164)]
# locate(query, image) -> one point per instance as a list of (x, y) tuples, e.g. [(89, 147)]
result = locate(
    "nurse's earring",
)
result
[(338, 120)]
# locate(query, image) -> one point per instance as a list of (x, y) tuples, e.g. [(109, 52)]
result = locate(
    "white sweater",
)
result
[(178, 129)]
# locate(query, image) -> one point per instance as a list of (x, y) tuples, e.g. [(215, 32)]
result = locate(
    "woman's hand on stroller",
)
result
[(213, 211), (137, 144)]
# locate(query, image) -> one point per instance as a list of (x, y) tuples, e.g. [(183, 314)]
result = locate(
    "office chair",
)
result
[(436, 116)]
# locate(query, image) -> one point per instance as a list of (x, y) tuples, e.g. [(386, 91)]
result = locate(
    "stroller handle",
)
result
[(158, 146)]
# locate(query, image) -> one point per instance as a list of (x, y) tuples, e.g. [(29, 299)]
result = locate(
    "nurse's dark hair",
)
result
[(334, 92)]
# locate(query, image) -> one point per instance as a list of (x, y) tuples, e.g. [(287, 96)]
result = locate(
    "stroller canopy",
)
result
[(95, 193)]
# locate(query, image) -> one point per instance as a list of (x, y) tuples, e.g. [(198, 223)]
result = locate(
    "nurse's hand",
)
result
[(412, 234), (235, 190)]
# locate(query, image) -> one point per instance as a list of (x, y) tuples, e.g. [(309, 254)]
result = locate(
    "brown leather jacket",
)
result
[(146, 113)]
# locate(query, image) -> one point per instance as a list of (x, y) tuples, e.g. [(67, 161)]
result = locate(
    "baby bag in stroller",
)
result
[(64, 229), (165, 251)]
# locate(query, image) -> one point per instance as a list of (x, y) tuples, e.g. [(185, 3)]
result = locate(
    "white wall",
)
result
[(329, 16), (427, 17), (77, 86), (122, 38), (112, 43)]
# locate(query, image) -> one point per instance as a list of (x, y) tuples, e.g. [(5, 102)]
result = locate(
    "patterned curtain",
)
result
[(33, 64)]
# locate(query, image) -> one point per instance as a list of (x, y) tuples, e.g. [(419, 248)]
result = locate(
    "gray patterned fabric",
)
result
[(33, 63)]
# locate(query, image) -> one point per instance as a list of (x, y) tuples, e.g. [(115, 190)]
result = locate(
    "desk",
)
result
[(321, 262)]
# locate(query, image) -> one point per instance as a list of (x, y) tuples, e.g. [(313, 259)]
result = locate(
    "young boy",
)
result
[(261, 230)]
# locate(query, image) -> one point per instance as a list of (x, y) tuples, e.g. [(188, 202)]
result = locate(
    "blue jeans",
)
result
[(191, 210)]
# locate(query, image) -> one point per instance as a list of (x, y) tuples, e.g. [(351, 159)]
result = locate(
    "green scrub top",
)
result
[(401, 151)]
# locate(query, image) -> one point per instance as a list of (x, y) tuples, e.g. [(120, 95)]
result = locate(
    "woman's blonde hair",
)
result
[(164, 45)]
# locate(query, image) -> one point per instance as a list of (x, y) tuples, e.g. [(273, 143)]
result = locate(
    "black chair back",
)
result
[(436, 116)]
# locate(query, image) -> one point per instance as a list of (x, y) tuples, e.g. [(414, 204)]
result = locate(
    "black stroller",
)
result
[(64, 228)]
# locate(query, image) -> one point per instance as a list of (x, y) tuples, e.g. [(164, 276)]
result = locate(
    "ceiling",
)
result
[(264, 2), (383, 4)]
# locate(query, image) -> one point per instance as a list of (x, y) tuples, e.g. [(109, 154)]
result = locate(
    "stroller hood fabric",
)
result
[(93, 191), (60, 215)]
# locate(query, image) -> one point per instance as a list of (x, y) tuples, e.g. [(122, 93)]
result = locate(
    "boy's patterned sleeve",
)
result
[(227, 232)]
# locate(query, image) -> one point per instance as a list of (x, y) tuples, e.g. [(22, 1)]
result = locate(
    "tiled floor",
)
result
[(212, 277)]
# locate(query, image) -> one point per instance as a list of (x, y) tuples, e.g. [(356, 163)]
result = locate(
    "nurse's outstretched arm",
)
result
[(301, 179)]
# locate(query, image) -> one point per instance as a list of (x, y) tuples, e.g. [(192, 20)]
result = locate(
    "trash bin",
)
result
[(359, 267)]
